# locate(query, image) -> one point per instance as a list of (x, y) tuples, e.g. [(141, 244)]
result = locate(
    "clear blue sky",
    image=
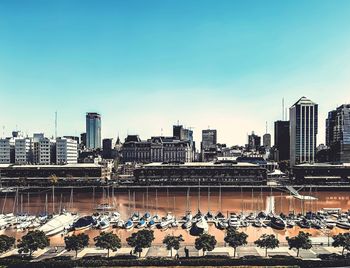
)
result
[(146, 64)]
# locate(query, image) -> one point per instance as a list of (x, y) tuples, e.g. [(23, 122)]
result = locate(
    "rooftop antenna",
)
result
[(282, 108), (56, 125), (3, 131), (161, 131), (266, 127), (286, 114)]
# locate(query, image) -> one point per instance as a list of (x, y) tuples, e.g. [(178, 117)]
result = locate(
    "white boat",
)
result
[(343, 225), (104, 206), (58, 223), (114, 217), (202, 224), (167, 220), (233, 221)]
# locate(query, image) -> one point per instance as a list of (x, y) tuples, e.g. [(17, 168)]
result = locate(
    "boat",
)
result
[(202, 225), (58, 223), (114, 217), (141, 224), (146, 216), (343, 224), (303, 223), (129, 224), (233, 221), (84, 223), (135, 217), (222, 224), (167, 220), (277, 223), (104, 206), (151, 223), (103, 223)]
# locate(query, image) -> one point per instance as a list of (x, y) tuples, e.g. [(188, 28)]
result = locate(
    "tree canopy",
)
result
[(76, 242), (235, 239), (301, 241), (342, 240), (108, 241), (205, 242), (33, 241), (267, 242), (6, 242), (172, 242), (140, 240)]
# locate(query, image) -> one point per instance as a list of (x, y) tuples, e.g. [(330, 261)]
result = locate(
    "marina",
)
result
[(188, 212)]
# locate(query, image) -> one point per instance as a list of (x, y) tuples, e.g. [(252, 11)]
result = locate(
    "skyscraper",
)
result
[(209, 138), (254, 141), (303, 131), (282, 140), (338, 134), (267, 140), (93, 131)]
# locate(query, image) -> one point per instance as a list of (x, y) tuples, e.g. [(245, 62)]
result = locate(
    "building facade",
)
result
[(282, 141), (254, 141), (156, 149), (93, 131), (303, 131), (267, 140), (338, 134), (66, 151), (23, 151), (5, 151)]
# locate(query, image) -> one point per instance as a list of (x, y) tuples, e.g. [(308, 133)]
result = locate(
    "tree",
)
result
[(267, 242), (108, 241), (205, 242), (172, 242), (342, 240), (140, 240), (6, 242), (302, 240), (76, 242), (235, 239), (33, 241)]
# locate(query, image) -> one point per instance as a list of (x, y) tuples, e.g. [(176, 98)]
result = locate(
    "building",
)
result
[(209, 138), (93, 131), (322, 173), (282, 141), (47, 151), (5, 151), (303, 131), (83, 139), (23, 151), (205, 173), (254, 142), (267, 141), (66, 151), (156, 149), (338, 134), (107, 148), (60, 171)]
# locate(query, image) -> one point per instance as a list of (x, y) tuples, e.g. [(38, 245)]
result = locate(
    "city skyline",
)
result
[(144, 67)]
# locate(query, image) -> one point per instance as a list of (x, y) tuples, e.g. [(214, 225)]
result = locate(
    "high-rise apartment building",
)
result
[(66, 151), (23, 151), (338, 134), (303, 131), (282, 141), (5, 151), (93, 131)]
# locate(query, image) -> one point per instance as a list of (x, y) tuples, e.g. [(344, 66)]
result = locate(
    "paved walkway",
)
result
[(161, 251)]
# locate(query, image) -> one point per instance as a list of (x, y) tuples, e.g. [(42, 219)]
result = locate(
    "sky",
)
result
[(144, 65)]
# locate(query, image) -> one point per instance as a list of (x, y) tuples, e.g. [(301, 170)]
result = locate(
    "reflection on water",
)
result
[(175, 201)]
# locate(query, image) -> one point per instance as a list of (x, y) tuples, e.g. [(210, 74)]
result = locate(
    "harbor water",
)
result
[(177, 202)]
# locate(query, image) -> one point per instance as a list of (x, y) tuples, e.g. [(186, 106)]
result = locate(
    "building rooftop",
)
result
[(304, 100), (323, 165), (200, 164), (78, 165)]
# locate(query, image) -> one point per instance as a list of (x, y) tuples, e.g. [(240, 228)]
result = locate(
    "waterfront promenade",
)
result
[(160, 251)]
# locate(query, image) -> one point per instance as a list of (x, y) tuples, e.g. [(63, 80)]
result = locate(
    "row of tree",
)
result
[(35, 240)]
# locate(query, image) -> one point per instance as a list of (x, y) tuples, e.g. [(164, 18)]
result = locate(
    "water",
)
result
[(176, 202)]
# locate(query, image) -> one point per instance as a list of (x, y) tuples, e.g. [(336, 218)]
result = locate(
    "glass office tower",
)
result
[(93, 131)]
